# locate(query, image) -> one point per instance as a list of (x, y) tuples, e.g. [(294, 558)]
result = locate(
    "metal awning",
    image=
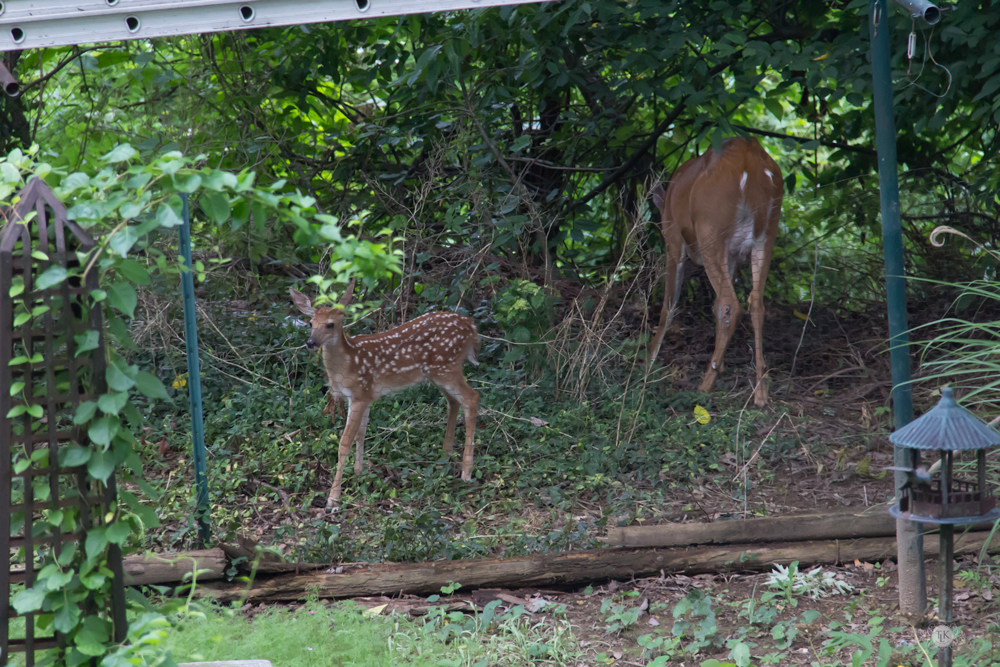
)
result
[(32, 24)]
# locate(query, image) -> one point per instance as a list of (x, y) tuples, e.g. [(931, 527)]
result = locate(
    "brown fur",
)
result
[(703, 215)]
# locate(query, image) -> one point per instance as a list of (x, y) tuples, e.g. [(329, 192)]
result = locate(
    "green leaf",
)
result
[(774, 106), (117, 379), (120, 153), (16, 411), (21, 319), (187, 182), (218, 180), (133, 271), (102, 432), (150, 385), (741, 654), (66, 554), (67, 617), (93, 635), (85, 412), (166, 217), (30, 599), (118, 532), (100, 466), (216, 206), (112, 404), (87, 341), (75, 456), (52, 276), (36, 411), (16, 387), (57, 580), (147, 515), (96, 542), (129, 210), (241, 213), (123, 297), (124, 239), (93, 580)]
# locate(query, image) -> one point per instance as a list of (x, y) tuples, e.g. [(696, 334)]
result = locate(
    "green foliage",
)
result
[(320, 634), (530, 133), (128, 207), (790, 583), (694, 620), (524, 311), (619, 617), (962, 350), (623, 449)]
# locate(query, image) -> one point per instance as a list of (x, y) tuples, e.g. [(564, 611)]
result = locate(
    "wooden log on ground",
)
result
[(569, 568), (248, 556), (845, 525), (146, 569)]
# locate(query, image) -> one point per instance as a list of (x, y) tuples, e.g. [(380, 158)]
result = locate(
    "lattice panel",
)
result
[(44, 325)]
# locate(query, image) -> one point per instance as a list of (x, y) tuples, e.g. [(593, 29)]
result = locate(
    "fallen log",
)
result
[(568, 568), (248, 556), (846, 525), (147, 569)]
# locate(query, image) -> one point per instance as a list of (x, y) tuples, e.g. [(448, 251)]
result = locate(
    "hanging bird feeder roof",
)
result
[(946, 426)]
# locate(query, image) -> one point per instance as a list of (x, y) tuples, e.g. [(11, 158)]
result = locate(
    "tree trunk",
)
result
[(569, 569)]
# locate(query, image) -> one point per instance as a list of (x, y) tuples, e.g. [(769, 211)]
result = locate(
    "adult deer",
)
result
[(360, 369), (719, 209)]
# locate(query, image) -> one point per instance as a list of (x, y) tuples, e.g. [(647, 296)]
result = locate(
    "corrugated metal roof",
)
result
[(946, 426)]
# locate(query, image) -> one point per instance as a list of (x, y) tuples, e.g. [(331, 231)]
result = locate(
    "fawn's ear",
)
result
[(348, 294), (302, 302)]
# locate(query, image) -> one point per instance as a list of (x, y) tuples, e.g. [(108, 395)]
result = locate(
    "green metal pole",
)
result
[(912, 587), (194, 380)]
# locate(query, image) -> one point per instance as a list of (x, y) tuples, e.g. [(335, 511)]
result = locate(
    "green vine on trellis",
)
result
[(126, 206)]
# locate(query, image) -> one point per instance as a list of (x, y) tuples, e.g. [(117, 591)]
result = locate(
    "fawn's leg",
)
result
[(355, 413), (359, 455), (449, 434), (469, 398)]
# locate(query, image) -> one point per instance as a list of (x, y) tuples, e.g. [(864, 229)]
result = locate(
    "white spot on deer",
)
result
[(743, 181), (769, 174)]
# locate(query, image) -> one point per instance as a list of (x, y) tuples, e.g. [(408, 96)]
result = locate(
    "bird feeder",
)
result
[(940, 497)]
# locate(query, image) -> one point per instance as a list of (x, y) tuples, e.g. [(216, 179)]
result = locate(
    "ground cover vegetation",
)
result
[(497, 162)]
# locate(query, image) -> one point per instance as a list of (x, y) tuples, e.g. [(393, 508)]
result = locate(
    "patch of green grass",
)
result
[(314, 636), (344, 635)]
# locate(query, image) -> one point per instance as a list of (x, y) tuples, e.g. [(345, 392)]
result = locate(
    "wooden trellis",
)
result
[(38, 331)]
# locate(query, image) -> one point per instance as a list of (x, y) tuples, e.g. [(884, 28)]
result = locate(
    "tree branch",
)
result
[(76, 54), (636, 156), (802, 140)]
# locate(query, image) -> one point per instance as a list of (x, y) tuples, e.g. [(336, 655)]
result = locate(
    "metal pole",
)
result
[(912, 587), (194, 380)]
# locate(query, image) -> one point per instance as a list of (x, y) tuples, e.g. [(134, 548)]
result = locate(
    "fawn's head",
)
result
[(326, 322)]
